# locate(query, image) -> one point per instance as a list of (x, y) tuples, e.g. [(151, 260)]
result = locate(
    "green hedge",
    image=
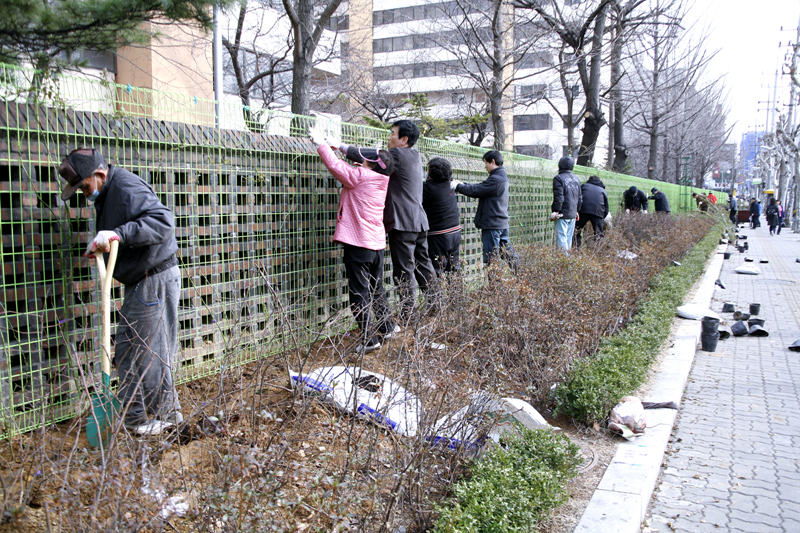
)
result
[(594, 385), (513, 486)]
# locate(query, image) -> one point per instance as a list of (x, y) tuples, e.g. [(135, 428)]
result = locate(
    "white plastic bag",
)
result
[(748, 269), (368, 395), (626, 254), (695, 312), (627, 418), (484, 418)]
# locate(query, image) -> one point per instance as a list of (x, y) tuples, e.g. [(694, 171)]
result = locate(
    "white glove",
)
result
[(555, 216), (100, 243), (454, 184)]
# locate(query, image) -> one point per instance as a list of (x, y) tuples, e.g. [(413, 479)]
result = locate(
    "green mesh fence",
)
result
[(255, 212)]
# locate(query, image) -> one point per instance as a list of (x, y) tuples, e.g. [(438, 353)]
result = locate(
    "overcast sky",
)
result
[(747, 34)]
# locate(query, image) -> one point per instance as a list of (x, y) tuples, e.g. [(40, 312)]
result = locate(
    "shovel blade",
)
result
[(100, 424)]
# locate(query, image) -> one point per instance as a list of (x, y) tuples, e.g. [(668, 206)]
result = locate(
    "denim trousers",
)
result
[(565, 229), (496, 242)]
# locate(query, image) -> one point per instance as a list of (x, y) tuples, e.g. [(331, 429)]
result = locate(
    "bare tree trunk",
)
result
[(665, 160), (652, 160), (593, 118), (793, 212), (610, 158), (620, 150), (307, 32), (496, 103), (569, 96)]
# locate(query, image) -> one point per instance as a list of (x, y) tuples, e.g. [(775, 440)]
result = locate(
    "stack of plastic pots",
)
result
[(710, 334)]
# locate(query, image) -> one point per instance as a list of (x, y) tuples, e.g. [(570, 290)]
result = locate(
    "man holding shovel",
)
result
[(129, 211)]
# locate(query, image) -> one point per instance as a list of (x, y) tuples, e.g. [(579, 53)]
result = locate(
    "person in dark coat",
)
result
[(660, 201), (773, 216), (635, 200), (702, 202), (146, 340), (403, 217), (733, 207), (782, 215), (567, 203), (441, 206), (492, 214), (594, 208), (754, 212)]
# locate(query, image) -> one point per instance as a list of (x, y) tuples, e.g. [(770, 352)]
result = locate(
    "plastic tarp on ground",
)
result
[(484, 418), (368, 395), (376, 398)]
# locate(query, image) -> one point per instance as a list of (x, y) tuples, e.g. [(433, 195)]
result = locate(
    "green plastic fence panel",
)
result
[(255, 211)]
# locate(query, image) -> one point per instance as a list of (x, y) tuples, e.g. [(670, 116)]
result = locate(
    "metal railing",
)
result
[(254, 211)]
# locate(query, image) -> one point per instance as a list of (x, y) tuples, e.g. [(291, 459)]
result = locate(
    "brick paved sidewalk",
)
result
[(734, 459)]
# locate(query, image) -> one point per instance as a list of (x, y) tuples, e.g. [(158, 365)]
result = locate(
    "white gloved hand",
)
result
[(101, 243), (454, 184), (316, 134), (555, 216)]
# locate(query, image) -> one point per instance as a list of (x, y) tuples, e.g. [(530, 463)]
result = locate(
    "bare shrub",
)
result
[(258, 455)]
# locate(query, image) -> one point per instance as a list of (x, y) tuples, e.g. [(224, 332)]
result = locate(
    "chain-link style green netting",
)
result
[(254, 209)]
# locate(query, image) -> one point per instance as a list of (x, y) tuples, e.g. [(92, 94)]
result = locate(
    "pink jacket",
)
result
[(359, 221)]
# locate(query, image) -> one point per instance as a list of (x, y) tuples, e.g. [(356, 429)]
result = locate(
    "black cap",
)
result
[(653, 189), (77, 166)]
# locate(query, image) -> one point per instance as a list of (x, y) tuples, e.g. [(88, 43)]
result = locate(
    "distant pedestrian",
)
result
[(635, 200), (733, 206), (594, 208), (712, 198), (661, 204), (782, 215), (754, 214), (702, 202), (773, 216), (492, 214), (441, 206), (567, 203)]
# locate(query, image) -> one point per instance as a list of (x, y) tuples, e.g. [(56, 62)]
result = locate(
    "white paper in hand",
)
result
[(328, 128)]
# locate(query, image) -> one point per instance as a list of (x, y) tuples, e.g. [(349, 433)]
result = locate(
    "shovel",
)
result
[(104, 402)]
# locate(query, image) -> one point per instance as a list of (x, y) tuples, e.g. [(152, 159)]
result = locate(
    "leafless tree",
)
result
[(487, 44), (624, 23), (258, 61), (308, 19), (668, 70), (582, 28)]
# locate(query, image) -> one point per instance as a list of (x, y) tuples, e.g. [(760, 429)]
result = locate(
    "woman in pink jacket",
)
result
[(359, 228)]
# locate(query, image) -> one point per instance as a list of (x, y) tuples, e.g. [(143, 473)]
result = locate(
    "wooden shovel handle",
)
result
[(107, 280)]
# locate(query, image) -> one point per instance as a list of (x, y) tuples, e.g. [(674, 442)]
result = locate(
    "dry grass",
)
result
[(278, 460)]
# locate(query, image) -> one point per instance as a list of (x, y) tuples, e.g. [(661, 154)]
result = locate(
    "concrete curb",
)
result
[(620, 501)]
